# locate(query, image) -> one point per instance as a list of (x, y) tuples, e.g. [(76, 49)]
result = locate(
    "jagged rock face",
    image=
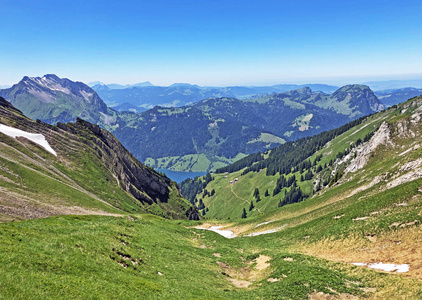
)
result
[(142, 182), (381, 137), (406, 128), (52, 99)]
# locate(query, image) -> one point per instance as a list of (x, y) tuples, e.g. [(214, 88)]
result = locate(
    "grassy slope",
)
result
[(34, 183), (192, 162), (230, 199), (106, 257)]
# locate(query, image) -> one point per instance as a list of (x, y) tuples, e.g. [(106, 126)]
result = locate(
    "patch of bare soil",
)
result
[(262, 262), (239, 283), (245, 276), (324, 296)]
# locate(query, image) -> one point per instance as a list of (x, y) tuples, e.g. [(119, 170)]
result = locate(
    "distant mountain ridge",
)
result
[(145, 96), (392, 97), (206, 135), (394, 84)]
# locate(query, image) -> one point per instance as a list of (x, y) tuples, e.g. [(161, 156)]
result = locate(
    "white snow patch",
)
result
[(359, 264), (385, 267), (226, 233), (266, 231), (34, 137), (390, 267), (265, 223)]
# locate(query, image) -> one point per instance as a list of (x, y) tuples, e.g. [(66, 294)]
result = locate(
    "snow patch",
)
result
[(34, 137), (266, 231), (265, 223), (226, 233), (390, 267), (359, 264), (385, 267)]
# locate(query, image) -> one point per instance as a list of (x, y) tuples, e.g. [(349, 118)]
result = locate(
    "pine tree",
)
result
[(267, 193), (256, 193), (244, 214), (251, 206)]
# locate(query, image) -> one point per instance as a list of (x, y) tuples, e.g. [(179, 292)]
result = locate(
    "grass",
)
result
[(107, 257), (192, 162)]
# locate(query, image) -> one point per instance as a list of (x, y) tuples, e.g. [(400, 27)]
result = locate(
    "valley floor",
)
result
[(144, 256)]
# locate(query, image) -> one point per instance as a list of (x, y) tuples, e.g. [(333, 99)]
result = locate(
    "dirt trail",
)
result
[(248, 202)]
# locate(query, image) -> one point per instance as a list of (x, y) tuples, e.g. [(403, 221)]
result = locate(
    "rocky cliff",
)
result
[(91, 172)]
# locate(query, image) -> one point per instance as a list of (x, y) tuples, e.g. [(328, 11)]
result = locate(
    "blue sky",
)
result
[(211, 42)]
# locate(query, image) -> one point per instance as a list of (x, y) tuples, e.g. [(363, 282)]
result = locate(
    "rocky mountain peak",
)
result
[(359, 97), (54, 99)]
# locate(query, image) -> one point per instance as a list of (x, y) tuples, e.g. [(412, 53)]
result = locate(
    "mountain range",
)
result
[(332, 216), (392, 97), (143, 96), (202, 136)]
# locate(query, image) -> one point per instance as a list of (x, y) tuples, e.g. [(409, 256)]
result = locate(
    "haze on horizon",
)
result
[(212, 42)]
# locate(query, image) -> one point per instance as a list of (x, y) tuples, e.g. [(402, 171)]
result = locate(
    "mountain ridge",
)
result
[(91, 173), (208, 134), (52, 99)]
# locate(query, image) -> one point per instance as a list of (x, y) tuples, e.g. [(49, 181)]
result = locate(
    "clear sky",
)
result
[(214, 42)]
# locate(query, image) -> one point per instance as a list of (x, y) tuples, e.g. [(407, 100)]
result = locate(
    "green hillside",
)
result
[(92, 173), (315, 164), (370, 214)]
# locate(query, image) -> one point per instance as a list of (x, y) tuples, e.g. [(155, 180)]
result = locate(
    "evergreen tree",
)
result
[(267, 193), (256, 192), (244, 214), (251, 206), (201, 204), (212, 192)]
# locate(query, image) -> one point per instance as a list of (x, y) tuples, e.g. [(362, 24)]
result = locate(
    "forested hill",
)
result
[(289, 155), (298, 170)]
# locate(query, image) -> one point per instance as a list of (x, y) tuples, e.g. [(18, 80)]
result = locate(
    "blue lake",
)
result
[(179, 176)]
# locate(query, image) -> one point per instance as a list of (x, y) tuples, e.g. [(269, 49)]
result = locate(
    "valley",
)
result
[(211, 150), (204, 135), (308, 219)]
